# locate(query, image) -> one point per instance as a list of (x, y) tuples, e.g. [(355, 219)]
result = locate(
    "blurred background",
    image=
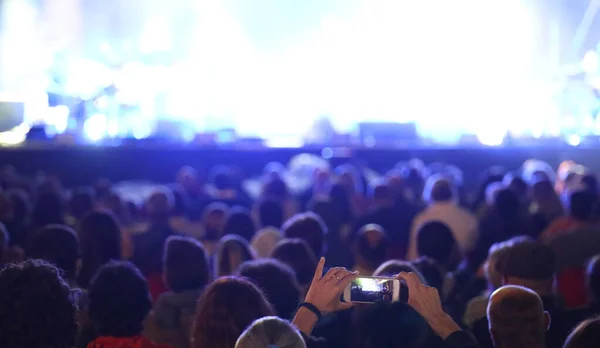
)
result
[(368, 73)]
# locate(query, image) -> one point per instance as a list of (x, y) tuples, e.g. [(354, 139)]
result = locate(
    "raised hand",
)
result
[(325, 290)]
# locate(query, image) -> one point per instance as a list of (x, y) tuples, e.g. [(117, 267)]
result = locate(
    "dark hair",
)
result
[(278, 282), (119, 300), (507, 204), (4, 241), (239, 222), (270, 213), (185, 264), (585, 335), (372, 251), (309, 227), (58, 245), (227, 246), (435, 240), (593, 277), (582, 205), (100, 242), (297, 254), (159, 205), (340, 198), (181, 200), (382, 192), (49, 208), (275, 188), (529, 260), (225, 309), (214, 213), (221, 178), (390, 325), (81, 202), (516, 317), (37, 307), (439, 189), (431, 272)]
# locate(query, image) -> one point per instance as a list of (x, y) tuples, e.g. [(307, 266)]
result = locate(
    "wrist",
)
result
[(305, 320), (443, 325)]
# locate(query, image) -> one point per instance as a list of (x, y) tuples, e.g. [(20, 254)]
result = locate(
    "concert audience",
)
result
[(37, 306), (488, 275), (443, 207), (99, 243), (278, 283), (232, 251), (186, 274), (225, 309), (270, 332)]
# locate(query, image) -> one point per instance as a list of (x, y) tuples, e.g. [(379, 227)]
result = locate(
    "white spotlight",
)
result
[(574, 140)]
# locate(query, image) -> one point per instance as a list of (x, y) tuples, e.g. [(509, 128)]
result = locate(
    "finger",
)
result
[(411, 280), (345, 305), (346, 280), (319, 271), (333, 272)]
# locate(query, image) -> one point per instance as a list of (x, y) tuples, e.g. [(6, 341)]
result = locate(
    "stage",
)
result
[(78, 165)]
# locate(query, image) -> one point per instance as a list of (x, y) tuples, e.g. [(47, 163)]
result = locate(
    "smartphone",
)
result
[(373, 289)]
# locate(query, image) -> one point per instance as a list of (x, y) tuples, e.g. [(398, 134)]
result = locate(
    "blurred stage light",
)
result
[(589, 64), (95, 127), (574, 140)]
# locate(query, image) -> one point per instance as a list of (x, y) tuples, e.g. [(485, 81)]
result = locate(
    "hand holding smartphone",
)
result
[(372, 289)]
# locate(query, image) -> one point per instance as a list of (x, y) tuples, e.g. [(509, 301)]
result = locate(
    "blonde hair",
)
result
[(270, 332)]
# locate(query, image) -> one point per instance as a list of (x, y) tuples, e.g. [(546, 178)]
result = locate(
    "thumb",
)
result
[(345, 305)]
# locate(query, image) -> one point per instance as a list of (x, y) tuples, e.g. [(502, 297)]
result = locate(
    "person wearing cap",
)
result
[(531, 264)]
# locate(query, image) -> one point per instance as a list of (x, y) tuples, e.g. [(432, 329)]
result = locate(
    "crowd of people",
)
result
[(203, 264)]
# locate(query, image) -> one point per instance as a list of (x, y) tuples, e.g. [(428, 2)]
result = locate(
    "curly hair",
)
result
[(119, 300), (227, 307), (278, 281), (37, 307)]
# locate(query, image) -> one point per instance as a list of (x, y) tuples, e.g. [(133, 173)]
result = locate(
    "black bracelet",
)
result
[(311, 307)]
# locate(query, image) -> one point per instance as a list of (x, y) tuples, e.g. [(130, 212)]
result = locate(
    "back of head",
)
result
[(58, 245), (119, 300), (439, 189), (435, 240), (507, 204), (371, 246), (382, 194), (393, 267), (395, 325), (37, 307), (278, 282), (431, 272), (239, 222), (298, 255), (546, 199), (310, 228), (100, 242), (232, 251), (275, 188), (49, 208), (582, 205), (213, 219), (159, 204), (222, 178), (225, 309), (490, 269), (517, 319), (185, 264), (529, 263), (270, 332), (593, 278), (340, 198), (585, 335), (81, 202), (181, 200), (270, 213)]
